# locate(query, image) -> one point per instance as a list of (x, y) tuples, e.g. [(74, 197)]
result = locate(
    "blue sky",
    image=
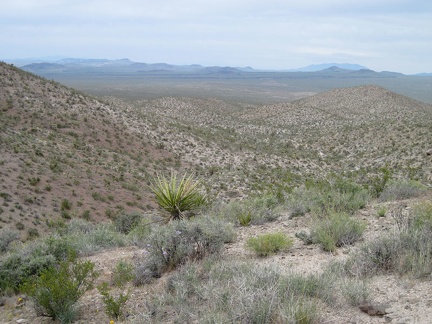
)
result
[(392, 35)]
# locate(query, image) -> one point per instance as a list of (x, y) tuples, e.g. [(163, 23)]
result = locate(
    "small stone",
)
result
[(21, 320), (373, 309)]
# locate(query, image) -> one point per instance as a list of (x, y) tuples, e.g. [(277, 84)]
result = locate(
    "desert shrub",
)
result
[(65, 205), (335, 230), (270, 243), (114, 306), (7, 236), (123, 273), (59, 287), (401, 189), (218, 291), (177, 196), (126, 222), (175, 243)]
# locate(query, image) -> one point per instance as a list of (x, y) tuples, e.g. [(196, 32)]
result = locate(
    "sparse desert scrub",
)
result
[(175, 243), (323, 196), (406, 250), (270, 243), (226, 291), (178, 195)]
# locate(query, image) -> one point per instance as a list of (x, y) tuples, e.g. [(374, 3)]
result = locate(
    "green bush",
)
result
[(114, 307), (173, 244), (270, 243), (177, 196), (59, 287), (335, 230)]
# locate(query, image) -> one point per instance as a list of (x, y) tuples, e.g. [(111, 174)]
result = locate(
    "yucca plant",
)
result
[(178, 195)]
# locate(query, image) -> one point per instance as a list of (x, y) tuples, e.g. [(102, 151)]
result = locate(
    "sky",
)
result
[(383, 35)]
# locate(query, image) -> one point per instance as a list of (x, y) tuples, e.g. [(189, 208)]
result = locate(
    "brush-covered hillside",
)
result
[(64, 154), (353, 131)]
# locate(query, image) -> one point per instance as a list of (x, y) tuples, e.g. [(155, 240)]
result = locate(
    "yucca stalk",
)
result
[(177, 196)]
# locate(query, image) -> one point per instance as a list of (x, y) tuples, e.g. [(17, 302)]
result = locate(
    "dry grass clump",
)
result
[(270, 243)]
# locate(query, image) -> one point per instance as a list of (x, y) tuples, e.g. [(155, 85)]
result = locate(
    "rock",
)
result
[(21, 320), (373, 309)]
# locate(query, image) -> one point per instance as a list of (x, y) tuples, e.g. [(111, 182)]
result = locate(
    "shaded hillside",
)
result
[(65, 154)]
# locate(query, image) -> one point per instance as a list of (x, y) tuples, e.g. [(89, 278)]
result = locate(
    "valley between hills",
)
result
[(73, 159)]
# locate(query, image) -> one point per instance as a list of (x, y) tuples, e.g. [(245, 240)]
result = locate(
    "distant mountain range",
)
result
[(60, 65), (319, 67)]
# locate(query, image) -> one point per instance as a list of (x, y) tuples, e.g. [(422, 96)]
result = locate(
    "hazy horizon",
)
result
[(383, 35)]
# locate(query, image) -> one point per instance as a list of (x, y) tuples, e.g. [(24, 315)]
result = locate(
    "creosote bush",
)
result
[(59, 287), (271, 243), (175, 243), (177, 196)]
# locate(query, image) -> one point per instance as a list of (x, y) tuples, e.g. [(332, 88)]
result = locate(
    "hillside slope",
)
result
[(65, 154)]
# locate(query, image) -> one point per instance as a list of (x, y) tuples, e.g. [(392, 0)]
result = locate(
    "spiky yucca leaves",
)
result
[(176, 196)]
